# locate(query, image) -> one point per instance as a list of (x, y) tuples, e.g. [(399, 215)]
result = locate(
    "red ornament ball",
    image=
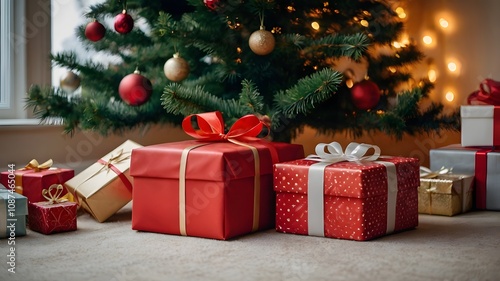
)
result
[(124, 23), (135, 89), (94, 31), (211, 4), (365, 95)]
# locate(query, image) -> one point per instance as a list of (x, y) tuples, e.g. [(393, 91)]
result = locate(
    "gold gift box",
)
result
[(106, 186), (446, 195)]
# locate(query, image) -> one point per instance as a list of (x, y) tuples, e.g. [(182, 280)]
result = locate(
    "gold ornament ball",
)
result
[(70, 82), (176, 68), (261, 42)]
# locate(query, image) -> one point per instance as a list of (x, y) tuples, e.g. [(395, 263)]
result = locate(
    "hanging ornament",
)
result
[(135, 89), (124, 22), (94, 31), (261, 42), (365, 94), (176, 68), (69, 82), (211, 4)]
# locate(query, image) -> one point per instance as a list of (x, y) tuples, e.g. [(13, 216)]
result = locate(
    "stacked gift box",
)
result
[(478, 154)]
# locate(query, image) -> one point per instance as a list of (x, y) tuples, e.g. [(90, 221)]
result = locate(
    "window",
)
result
[(12, 59)]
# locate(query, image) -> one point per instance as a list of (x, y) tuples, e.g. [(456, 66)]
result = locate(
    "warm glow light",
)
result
[(396, 45), (443, 23), (315, 25), (364, 23), (452, 66), (432, 74), (401, 12), (427, 39), (450, 96), (349, 83), (392, 69)]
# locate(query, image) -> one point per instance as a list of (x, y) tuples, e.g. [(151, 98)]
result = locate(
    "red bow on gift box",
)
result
[(211, 127), (488, 93)]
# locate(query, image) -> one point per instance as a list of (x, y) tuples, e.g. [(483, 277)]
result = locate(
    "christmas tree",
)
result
[(292, 63)]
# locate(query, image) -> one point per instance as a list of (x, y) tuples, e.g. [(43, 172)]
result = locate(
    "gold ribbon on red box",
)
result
[(211, 128), (32, 166)]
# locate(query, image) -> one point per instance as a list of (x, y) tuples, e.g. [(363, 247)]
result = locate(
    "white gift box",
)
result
[(479, 127)]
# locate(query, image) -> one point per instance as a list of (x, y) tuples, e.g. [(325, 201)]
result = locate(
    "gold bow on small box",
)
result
[(33, 165), (53, 194)]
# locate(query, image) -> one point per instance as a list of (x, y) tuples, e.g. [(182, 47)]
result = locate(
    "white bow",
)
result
[(353, 152)]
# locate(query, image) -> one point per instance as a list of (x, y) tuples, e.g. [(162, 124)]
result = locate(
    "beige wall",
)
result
[(475, 40)]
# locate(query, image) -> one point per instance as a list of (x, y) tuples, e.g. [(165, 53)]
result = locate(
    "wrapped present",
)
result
[(346, 195), (35, 177), (480, 125), (477, 161), (219, 186), (57, 214), (106, 186), (13, 211), (445, 194)]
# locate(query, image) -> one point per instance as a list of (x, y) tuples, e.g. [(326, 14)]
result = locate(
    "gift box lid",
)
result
[(21, 202), (477, 111), (348, 179), (215, 161)]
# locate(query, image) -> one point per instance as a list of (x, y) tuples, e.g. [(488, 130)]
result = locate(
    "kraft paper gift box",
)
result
[(216, 189), (35, 177), (13, 211), (358, 200), (106, 186), (447, 194), (480, 125), (55, 215), (483, 163)]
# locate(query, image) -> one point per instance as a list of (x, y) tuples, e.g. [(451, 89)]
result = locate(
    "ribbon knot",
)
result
[(34, 165), (427, 173), (333, 152), (53, 194), (211, 127), (488, 93), (113, 160)]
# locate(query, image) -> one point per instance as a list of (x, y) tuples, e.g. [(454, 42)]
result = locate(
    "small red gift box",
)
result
[(207, 189), (34, 177), (348, 196), (52, 216)]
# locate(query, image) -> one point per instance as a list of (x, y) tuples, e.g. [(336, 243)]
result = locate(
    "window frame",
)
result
[(13, 59)]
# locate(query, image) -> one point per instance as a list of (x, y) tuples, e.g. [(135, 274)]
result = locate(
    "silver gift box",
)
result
[(462, 160)]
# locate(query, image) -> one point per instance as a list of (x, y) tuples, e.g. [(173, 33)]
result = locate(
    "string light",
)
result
[(364, 23), (401, 12), (432, 75), (427, 39), (450, 96), (315, 25), (443, 23), (452, 66)]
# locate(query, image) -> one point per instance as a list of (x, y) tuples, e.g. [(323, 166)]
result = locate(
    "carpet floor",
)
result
[(464, 247)]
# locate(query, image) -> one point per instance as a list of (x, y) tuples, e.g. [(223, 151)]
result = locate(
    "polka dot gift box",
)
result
[(347, 195)]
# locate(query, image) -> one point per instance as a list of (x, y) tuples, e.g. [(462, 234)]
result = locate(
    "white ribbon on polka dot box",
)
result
[(347, 195)]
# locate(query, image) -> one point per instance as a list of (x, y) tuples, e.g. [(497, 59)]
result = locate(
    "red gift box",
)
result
[(206, 189), (32, 179), (52, 216), (358, 200)]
